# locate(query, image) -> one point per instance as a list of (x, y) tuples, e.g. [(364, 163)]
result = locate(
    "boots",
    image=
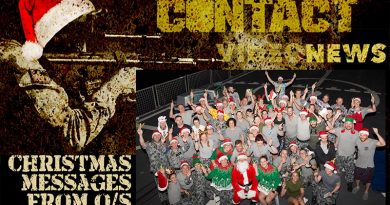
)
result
[(349, 186), (314, 199)]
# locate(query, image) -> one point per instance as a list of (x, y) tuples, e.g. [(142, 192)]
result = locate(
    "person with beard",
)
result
[(156, 152), (358, 113), (280, 87), (270, 131), (346, 141), (364, 169), (268, 181), (294, 190), (324, 150), (162, 126), (298, 100), (240, 148), (244, 180), (176, 154), (226, 149), (316, 125), (230, 93), (167, 180), (220, 177), (329, 189)]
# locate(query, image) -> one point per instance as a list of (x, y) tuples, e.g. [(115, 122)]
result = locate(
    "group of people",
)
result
[(259, 147)]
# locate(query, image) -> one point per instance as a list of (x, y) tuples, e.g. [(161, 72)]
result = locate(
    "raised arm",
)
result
[(292, 80), (269, 79), (265, 91), (171, 110), (381, 142), (373, 106), (141, 138)]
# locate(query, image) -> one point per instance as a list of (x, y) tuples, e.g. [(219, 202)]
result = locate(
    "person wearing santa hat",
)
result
[(226, 149), (290, 127), (155, 150), (186, 181), (199, 112), (280, 87), (41, 20), (316, 126), (358, 113), (185, 137), (232, 108), (268, 181), (324, 150), (330, 185), (345, 143), (221, 177), (167, 180), (202, 191), (185, 114), (179, 125), (239, 148), (244, 180), (176, 153), (270, 131), (364, 169), (303, 129)]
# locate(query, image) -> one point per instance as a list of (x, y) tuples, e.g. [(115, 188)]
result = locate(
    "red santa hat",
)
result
[(260, 97), (174, 139), (222, 158), (303, 112), (272, 95), (231, 101), (267, 120), (242, 156), (220, 112), (322, 133), (198, 108), (184, 129), (254, 127), (364, 131), (162, 181), (219, 103), (41, 20), (184, 163), (293, 143), (156, 132), (330, 165), (226, 141)]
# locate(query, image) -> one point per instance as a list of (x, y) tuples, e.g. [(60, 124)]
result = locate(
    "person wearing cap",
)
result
[(270, 131), (242, 122), (176, 153), (358, 113), (221, 177), (232, 131), (328, 189), (261, 147), (186, 115), (316, 126), (364, 169), (186, 181), (269, 180), (324, 149), (346, 140), (280, 87), (291, 127), (244, 180), (162, 126), (303, 129), (155, 150), (226, 149), (202, 191)]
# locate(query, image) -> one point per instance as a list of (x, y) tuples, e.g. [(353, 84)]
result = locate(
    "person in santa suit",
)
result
[(221, 177), (358, 113), (244, 180), (226, 149), (269, 180)]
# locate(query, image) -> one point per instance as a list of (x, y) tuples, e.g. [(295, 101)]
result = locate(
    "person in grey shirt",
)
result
[(214, 136), (238, 149), (270, 131), (291, 126), (329, 189), (185, 114), (280, 87), (241, 122), (260, 148), (283, 163), (232, 131), (364, 169), (185, 180)]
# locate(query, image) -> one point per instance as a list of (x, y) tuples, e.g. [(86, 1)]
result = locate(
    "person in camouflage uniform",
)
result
[(201, 191), (176, 154), (329, 184)]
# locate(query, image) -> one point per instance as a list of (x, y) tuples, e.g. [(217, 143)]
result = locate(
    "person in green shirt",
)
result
[(269, 180), (294, 190)]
